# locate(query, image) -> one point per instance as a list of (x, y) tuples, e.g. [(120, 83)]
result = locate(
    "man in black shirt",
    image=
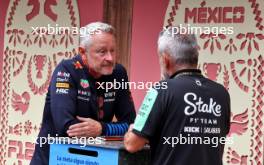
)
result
[(185, 124), (78, 104)]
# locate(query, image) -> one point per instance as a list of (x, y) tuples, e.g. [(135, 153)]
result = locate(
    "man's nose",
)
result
[(109, 56)]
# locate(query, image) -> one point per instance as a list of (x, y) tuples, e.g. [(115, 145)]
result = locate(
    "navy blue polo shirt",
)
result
[(74, 92)]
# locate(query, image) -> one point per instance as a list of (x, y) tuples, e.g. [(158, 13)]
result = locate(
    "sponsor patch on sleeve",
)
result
[(63, 74), (62, 91), (62, 85), (145, 109)]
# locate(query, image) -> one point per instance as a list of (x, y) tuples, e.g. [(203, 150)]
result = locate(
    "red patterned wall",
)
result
[(28, 60)]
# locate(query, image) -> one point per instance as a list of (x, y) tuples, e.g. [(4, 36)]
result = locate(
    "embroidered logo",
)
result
[(63, 74), (78, 65), (84, 83), (62, 85)]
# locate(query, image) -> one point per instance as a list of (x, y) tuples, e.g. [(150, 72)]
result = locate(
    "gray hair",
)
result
[(91, 29), (183, 48)]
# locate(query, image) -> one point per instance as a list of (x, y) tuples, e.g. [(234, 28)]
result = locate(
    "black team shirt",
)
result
[(185, 122)]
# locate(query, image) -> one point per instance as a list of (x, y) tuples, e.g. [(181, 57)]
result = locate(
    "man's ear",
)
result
[(81, 50), (167, 61)]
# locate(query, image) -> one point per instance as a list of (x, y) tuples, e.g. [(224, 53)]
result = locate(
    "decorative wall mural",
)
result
[(30, 55), (235, 60)]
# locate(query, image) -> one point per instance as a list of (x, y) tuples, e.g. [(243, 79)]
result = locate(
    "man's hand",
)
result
[(133, 142), (87, 128), (130, 127)]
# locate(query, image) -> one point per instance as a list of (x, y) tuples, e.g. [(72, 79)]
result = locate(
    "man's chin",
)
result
[(107, 72)]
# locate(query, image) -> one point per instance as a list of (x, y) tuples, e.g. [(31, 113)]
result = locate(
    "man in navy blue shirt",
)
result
[(77, 104), (185, 124)]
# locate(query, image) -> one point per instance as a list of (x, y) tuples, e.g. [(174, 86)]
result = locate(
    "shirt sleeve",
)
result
[(150, 115), (63, 94)]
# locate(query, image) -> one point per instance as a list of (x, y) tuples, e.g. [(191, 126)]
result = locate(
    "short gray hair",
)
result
[(91, 29), (183, 48)]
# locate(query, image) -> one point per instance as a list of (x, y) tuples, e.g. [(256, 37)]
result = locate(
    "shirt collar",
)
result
[(186, 72)]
